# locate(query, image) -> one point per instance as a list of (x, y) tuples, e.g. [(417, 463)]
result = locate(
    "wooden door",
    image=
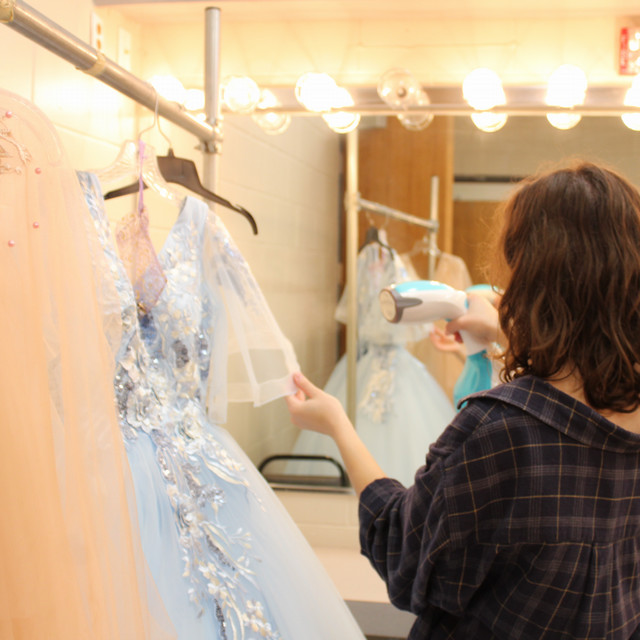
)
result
[(395, 169)]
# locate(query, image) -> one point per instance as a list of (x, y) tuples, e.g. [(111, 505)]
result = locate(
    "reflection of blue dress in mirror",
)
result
[(401, 408), (225, 556)]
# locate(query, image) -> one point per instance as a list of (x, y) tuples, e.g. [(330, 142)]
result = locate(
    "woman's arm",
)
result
[(313, 409)]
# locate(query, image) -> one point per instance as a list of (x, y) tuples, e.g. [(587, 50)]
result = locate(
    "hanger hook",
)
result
[(164, 135), (369, 218), (155, 117)]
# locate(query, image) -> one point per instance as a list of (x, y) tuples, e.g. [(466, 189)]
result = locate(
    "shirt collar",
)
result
[(560, 411)]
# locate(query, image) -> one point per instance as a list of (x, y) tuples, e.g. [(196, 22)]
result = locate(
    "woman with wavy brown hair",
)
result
[(571, 244), (525, 520)]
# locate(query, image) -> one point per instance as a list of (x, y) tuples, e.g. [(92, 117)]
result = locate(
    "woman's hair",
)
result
[(571, 246)]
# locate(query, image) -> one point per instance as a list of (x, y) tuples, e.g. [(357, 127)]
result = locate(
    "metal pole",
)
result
[(22, 18), (352, 207), (382, 209), (433, 216), (212, 94)]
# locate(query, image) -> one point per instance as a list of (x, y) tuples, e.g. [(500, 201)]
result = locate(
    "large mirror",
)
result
[(400, 406), (294, 183)]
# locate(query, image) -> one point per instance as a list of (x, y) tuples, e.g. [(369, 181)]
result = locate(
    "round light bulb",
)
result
[(169, 87), (417, 121), (240, 94), (398, 88), (267, 100), (270, 122), (194, 100), (342, 121), (315, 91), (632, 99), (489, 122), (567, 86), (631, 121), (564, 120), (482, 89)]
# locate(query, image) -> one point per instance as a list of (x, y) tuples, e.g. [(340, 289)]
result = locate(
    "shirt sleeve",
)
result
[(406, 532), (402, 532)]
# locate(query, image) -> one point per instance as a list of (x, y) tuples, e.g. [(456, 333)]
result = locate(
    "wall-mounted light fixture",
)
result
[(481, 96)]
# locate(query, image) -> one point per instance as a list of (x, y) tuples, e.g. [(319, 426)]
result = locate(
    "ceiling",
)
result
[(349, 10), (439, 41)]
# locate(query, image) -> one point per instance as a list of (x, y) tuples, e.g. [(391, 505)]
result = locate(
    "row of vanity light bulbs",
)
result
[(319, 93)]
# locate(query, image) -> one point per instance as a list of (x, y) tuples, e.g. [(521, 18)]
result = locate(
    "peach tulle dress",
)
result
[(71, 563)]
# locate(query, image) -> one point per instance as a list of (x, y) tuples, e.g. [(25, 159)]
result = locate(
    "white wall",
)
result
[(439, 50), (290, 183), (91, 118), (526, 144)]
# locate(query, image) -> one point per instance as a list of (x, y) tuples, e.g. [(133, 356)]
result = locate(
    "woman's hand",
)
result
[(314, 409), (481, 320), (447, 342)]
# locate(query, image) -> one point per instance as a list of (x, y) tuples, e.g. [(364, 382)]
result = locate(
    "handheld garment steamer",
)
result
[(427, 301)]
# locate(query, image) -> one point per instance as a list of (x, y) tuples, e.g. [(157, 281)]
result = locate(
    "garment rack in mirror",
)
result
[(354, 204), (373, 236), (430, 224)]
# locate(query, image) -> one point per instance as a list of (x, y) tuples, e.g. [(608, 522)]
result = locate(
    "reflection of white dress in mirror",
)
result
[(225, 555), (401, 408)]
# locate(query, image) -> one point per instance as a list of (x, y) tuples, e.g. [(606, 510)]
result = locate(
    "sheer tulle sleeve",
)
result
[(259, 360), (71, 564)]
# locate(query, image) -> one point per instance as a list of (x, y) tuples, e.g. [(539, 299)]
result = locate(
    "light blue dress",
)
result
[(224, 554), (401, 407)]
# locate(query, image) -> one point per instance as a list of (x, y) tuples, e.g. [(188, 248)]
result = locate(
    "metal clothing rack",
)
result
[(24, 19), (353, 205)]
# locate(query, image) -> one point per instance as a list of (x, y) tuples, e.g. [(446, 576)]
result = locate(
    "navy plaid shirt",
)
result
[(524, 523)]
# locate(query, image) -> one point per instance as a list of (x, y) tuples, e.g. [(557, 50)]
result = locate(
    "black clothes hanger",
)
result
[(184, 172), (373, 237)]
